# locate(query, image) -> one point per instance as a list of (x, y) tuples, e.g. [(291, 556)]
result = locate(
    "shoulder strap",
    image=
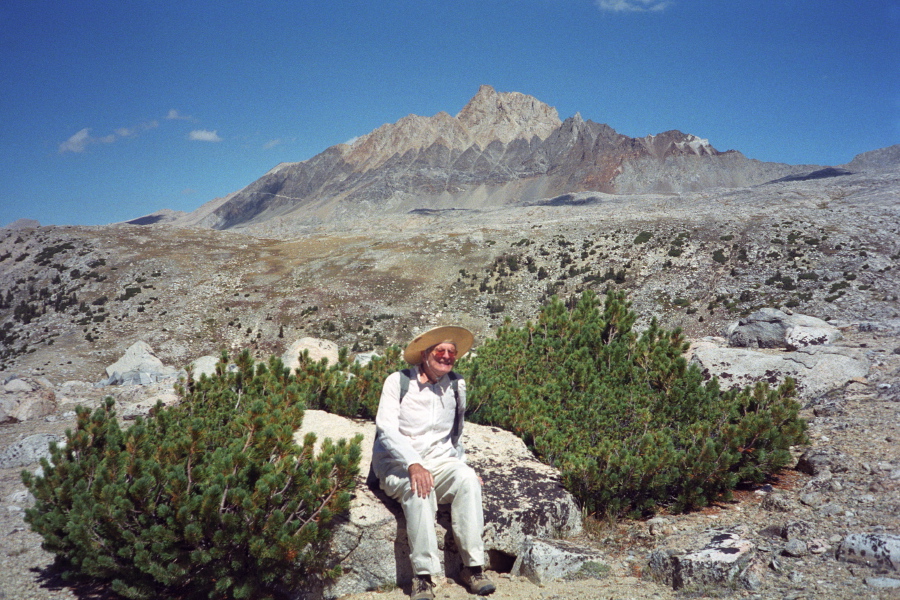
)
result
[(454, 381), (405, 376)]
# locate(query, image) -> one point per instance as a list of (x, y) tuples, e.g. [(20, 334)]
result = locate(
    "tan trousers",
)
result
[(455, 483)]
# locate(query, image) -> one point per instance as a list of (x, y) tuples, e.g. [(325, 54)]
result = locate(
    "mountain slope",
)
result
[(501, 149)]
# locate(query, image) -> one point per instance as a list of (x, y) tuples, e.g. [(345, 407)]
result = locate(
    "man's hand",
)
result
[(420, 480)]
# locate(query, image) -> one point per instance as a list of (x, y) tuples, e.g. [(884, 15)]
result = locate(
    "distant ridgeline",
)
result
[(501, 149)]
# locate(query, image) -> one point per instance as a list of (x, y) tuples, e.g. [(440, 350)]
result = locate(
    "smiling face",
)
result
[(439, 360)]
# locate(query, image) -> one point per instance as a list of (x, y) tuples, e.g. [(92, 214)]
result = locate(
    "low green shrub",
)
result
[(628, 423), (208, 498), (643, 237), (347, 388)]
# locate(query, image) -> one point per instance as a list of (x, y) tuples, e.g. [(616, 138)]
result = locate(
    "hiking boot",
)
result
[(477, 582), (421, 588)]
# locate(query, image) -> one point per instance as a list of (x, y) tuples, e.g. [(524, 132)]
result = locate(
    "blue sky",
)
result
[(110, 110)]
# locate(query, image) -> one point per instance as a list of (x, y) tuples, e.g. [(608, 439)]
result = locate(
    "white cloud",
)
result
[(272, 144), (633, 5), (203, 135), (81, 140), (77, 142), (175, 115)]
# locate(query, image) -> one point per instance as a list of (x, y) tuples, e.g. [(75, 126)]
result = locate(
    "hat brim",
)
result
[(460, 336)]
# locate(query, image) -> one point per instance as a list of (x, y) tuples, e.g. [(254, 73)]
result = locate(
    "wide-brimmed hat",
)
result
[(460, 336)]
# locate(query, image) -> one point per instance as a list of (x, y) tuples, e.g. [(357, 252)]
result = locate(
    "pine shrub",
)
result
[(624, 418), (208, 498), (347, 388)]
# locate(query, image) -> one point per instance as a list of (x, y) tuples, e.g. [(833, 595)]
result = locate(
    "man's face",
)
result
[(441, 358)]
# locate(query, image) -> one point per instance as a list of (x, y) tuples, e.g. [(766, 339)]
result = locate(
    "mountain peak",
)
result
[(488, 117), (506, 116), (501, 148)]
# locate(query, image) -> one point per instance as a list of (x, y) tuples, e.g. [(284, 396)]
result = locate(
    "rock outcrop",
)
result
[(26, 399), (817, 366), (315, 347), (27, 451), (772, 328), (817, 369), (880, 551), (726, 558), (139, 366), (523, 501), (205, 365)]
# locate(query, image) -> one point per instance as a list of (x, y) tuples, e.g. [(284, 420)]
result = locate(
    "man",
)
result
[(418, 457)]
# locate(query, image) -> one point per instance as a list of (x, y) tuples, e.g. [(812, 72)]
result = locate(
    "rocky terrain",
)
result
[(823, 247), (846, 483), (697, 238)]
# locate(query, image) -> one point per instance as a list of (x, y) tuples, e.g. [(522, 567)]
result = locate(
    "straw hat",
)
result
[(460, 336)]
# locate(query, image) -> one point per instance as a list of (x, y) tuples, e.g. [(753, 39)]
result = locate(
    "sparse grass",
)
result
[(590, 570)]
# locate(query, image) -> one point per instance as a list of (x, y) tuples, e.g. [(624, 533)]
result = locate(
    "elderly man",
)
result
[(418, 457)]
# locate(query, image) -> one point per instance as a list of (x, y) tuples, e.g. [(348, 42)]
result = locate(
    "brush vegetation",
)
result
[(209, 498), (213, 498), (631, 426)]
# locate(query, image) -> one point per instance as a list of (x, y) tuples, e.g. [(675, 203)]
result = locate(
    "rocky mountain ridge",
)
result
[(73, 299), (500, 149), (823, 247)]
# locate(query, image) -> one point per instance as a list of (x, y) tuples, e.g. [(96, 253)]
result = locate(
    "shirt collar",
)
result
[(418, 369)]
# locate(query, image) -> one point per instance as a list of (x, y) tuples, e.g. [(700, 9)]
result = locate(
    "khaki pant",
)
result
[(455, 483)]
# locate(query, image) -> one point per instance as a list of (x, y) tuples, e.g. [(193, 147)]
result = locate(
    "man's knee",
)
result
[(467, 479)]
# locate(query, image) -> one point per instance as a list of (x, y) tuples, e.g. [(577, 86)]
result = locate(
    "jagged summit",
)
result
[(489, 116), (502, 148)]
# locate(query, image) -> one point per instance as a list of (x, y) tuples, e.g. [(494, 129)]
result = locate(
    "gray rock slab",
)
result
[(884, 583), (543, 560), (140, 358), (816, 369), (205, 365), (800, 337), (317, 348), (881, 551), (27, 451), (726, 559), (17, 385), (19, 406), (772, 328), (364, 358)]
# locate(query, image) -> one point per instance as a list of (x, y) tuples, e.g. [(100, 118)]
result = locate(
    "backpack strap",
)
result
[(406, 377), (454, 382)]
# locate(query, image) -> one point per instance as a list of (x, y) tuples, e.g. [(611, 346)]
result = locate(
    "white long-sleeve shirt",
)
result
[(421, 427)]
